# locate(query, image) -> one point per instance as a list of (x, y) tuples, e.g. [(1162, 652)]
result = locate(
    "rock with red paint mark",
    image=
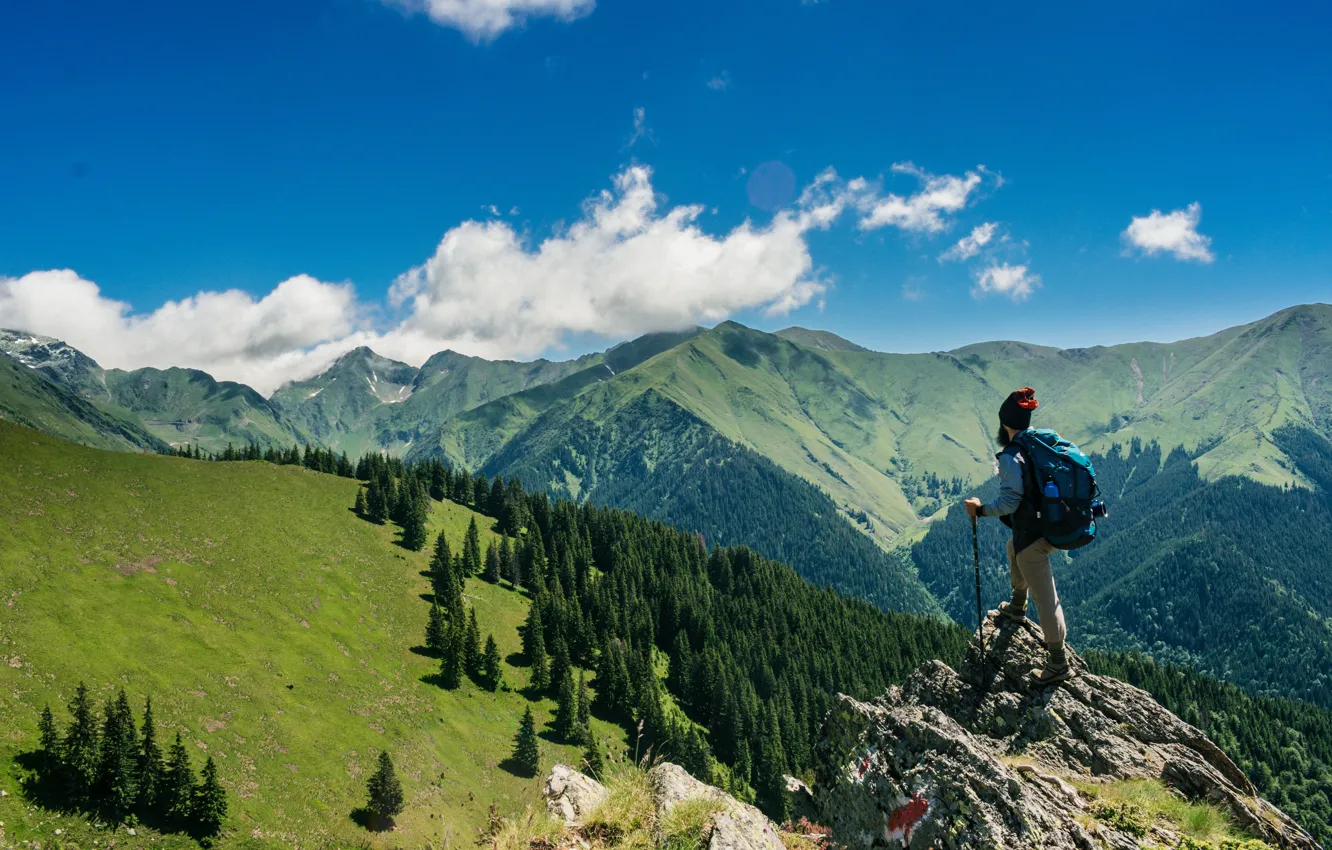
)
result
[(942, 762)]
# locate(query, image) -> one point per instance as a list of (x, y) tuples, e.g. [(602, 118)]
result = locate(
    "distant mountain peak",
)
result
[(822, 340)]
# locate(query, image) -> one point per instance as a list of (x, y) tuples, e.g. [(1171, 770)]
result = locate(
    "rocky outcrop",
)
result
[(572, 797), (953, 759)]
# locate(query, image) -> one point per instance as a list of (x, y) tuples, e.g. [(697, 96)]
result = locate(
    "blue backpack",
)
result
[(1065, 494)]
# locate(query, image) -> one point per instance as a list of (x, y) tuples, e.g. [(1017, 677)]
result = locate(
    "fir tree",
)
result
[(118, 758), (471, 552), (80, 747), (435, 634), (50, 742), (491, 672), (150, 762), (451, 667), (526, 753), (508, 563), (384, 790), (566, 710), (414, 519), (360, 507), (209, 806), (560, 667), (376, 503), (472, 646), (593, 765), (584, 719), (176, 795), (492, 573)]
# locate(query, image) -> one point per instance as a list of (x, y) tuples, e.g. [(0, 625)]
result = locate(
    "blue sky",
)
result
[(159, 150)]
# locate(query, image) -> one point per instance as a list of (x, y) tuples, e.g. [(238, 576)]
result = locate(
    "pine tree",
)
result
[(384, 790), (50, 742), (414, 519), (118, 759), (492, 573), (150, 762), (472, 647), (490, 665), (472, 550), (209, 806), (80, 747), (526, 753), (566, 710), (451, 667), (508, 563), (435, 634), (360, 507), (177, 793), (376, 503), (593, 765), (560, 666), (584, 719)]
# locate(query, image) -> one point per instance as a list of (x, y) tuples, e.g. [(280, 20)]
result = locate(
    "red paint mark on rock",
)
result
[(904, 817)]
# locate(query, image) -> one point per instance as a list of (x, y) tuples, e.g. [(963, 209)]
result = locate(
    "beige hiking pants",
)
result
[(1030, 570)]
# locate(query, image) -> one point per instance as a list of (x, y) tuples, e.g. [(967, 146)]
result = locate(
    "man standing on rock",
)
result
[(1028, 551)]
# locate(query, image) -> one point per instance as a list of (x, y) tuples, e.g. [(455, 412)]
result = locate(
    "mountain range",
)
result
[(804, 445)]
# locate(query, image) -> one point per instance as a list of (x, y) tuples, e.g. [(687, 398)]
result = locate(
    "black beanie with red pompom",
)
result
[(1016, 410)]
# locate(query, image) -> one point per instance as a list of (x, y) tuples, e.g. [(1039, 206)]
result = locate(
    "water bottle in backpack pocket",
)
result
[(1069, 500)]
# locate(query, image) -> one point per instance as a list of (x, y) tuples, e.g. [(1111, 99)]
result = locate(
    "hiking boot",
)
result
[(1056, 668), (1015, 609)]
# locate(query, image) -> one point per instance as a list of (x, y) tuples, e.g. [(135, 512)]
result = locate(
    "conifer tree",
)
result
[(414, 518), (384, 790), (593, 765), (209, 807), (566, 710), (80, 747), (360, 507), (150, 762), (451, 667), (117, 758), (584, 718), (376, 503), (435, 634), (492, 573), (50, 742), (490, 665), (526, 753), (508, 563), (471, 552), (560, 667), (177, 793), (472, 646)]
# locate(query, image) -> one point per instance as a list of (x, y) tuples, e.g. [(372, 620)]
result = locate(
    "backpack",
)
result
[(1068, 519)]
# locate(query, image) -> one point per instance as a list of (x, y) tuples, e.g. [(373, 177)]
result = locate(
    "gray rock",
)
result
[(927, 764), (570, 795), (799, 799), (737, 827)]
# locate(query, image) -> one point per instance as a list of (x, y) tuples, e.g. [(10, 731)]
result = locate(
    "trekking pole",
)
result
[(980, 621)]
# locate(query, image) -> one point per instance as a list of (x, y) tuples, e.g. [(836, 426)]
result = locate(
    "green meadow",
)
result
[(272, 627)]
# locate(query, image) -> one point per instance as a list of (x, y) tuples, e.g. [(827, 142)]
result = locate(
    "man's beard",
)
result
[(1002, 437)]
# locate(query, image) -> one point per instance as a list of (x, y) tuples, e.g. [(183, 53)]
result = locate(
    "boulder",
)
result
[(570, 795), (960, 759), (738, 826)]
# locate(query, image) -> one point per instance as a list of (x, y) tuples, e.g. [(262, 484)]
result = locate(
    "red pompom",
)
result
[(1026, 398)]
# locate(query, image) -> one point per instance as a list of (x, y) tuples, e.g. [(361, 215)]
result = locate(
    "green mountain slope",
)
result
[(271, 626), (188, 406), (30, 399), (1228, 576)]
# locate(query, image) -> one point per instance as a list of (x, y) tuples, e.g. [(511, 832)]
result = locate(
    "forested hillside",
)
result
[(1229, 576)]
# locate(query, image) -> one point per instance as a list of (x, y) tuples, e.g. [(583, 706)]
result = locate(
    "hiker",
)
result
[(1028, 551)]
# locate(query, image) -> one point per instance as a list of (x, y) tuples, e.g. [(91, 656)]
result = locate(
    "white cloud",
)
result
[(971, 244), (231, 334), (1014, 281), (926, 210), (629, 265), (641, 129), (484, 20), (1171, 233), (913, 289), (721, 82)]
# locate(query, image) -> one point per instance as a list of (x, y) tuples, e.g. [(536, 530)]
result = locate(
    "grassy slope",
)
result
[(29, 399), (213, 587)]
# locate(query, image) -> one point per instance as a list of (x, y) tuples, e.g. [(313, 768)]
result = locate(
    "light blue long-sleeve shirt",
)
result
[(1010, 486)]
